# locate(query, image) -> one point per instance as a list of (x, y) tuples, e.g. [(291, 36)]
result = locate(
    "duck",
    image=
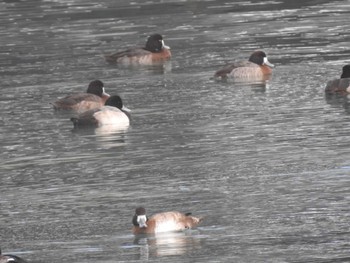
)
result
[(4, 258), (340, 86), (94, 97), (162, 222), (112, 113), (154, 52), (256, 67)]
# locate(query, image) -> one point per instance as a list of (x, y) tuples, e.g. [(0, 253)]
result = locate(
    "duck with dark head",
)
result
[(112, 113), (154, 52), (257, 67), (340, 86), (162, 222), (94, 97)]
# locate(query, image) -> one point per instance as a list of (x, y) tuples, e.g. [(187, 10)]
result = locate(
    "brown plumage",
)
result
[(94, 97), (257, 67), (154, 52), (340, 86), (162, 222)]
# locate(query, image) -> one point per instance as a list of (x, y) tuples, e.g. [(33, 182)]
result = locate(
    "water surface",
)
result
[(266, 164)]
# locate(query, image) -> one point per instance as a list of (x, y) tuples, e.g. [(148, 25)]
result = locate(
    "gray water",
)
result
[(266, 164)]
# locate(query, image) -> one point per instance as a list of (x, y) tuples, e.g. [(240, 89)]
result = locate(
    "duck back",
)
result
[(78, 102)]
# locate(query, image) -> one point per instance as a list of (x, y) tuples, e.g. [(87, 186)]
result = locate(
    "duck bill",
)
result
[(141, 220), (267, 63), (104, 95), (125, 109), (165, 46)]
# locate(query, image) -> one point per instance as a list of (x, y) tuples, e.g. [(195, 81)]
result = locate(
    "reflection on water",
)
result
[(338, 101), (107, 136), (164, 245), (265, 162), (257, 85)]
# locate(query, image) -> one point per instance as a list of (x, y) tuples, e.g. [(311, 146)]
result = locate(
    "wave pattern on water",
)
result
[(265, 163)]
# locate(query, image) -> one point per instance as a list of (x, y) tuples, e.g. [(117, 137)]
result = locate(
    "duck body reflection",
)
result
[(166, 244)]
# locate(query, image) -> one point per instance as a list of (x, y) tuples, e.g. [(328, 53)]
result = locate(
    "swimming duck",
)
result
[(94, 97), (162, 222), (4, 258), (340, 86), (257, 67), (112, 113), (154, 52)]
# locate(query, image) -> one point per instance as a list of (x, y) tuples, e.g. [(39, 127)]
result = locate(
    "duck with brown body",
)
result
[(154, 52), (340, 86), (162, 222), (94, 97), (257, 67)]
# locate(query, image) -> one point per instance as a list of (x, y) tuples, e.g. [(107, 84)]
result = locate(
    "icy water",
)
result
[(266, 164)]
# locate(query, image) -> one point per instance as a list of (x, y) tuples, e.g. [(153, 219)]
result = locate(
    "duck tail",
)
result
[(192, 220), (197, 220), (108, 58)]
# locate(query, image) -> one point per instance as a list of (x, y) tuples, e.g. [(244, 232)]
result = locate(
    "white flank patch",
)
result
[(167, 226), (348, 89)]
